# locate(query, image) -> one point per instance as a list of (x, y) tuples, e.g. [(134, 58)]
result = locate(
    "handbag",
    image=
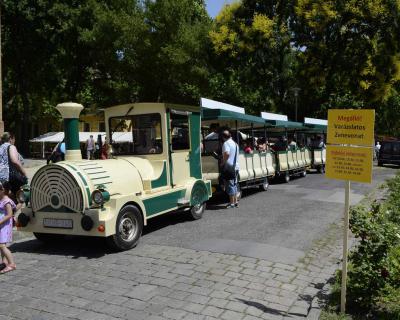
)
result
[(16, 178), (228, 171)]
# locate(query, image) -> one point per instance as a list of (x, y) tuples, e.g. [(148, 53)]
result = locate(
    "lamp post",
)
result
[(296, 94)]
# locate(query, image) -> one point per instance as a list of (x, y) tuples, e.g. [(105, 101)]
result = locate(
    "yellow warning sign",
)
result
[(354, 127), (349, 163)]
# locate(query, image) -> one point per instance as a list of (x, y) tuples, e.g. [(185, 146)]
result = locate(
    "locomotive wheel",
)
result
[(265, 185), (128, 229), (286, 177), (48, 237), (304, 173), (197, 211)]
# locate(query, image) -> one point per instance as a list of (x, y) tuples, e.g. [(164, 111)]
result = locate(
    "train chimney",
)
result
[(70, 112)]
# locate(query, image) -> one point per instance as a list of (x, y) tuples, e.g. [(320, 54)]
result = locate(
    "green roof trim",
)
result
[(316, 127), (286, 124), (219, 114)]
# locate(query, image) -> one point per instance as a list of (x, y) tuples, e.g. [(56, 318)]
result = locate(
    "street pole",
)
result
[(296, 94), (1, 83), (345, 247)]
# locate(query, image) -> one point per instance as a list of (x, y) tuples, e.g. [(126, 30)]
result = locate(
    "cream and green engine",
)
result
[(110, 198)]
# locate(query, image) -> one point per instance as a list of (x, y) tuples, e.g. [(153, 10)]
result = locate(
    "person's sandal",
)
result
[(8, 268)]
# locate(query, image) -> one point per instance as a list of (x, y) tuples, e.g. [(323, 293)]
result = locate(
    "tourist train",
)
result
[(167, 158)]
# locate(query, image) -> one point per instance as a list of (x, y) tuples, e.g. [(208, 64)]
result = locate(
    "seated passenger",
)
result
[(247, 147), (293, 144), (213, 135), (262, 144), (281, 145)]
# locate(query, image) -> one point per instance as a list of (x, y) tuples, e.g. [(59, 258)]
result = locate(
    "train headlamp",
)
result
[(23, 195), (100, 196)]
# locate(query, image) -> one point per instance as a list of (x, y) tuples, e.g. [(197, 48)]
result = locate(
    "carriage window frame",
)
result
[(131, 117), (174, 150)]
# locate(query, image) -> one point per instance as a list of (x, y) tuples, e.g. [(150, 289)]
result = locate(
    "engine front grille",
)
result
[(53, 188)]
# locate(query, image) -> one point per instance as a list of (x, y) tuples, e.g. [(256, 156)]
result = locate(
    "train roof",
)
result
[(210, 115)]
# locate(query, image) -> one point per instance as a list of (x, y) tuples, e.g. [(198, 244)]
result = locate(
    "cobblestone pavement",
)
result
[(81, 279), (157, 282)]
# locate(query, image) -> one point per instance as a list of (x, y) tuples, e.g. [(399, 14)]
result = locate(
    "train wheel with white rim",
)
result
[(128, 229), (304, 173), (265, 185), (197, 211), (286, 177)]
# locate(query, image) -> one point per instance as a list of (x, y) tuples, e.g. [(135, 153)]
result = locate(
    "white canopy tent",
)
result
[(56, 137)]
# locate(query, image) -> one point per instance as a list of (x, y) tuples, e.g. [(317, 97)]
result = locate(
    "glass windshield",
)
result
[(136, 135)]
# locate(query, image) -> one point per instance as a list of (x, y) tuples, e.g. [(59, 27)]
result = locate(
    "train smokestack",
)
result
[(70, 112)]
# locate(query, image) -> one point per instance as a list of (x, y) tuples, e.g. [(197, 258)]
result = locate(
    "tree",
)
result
[(350, 49), (252, 41)]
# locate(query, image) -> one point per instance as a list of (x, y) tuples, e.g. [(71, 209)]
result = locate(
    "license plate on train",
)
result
[(57, 223)]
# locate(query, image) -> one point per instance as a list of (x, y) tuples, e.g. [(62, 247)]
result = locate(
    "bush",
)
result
[(374, 265)]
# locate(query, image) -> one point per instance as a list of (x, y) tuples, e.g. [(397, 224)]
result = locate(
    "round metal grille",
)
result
[(54, 188)]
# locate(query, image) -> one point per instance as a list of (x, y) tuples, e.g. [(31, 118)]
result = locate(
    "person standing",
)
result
[(7, 207), (90, 145), (11, 168), (230, 167), (377, 149)]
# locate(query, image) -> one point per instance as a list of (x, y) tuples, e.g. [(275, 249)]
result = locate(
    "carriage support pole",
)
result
[(345, 246)]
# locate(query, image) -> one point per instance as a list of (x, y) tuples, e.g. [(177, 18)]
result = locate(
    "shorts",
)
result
[(231, 187)]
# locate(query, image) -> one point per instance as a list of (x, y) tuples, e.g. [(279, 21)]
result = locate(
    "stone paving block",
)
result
[(217, 278), (236, 290), (263, 268), (284, 272), (285, 266), (249, 265), (236, 306), (250, 272), (232, 315), (255, 286), (250, 278), (283, 279), (212, 311), (289, 287), (273, 283), (201, 290), (216, 302), (298, 311), (255, 311), (143, 292), (233, 274), (234, 268), (220, 294), (174, 314), (239, 283), (193, 307), (197, 298)]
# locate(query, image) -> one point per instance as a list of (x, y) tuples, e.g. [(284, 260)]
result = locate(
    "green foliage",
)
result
[(101, 53), (374, 270)]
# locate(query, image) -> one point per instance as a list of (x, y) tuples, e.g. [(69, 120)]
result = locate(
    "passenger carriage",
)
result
[(290, 160), (157, 170), (315, 132), (256, 168)]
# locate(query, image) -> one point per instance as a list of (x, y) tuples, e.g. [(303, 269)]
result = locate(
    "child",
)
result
[(7, 207)]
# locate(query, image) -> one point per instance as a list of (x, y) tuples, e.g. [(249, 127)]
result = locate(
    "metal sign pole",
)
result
[(345, 246)]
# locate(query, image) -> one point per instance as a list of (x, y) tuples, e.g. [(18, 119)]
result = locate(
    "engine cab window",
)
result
[(180, 132), (136, 135)]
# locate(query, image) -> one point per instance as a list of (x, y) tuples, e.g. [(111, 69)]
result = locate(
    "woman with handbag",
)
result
[(11, 168)]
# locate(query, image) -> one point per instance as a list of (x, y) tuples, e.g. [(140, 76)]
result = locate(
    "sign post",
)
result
[(349, 157)]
